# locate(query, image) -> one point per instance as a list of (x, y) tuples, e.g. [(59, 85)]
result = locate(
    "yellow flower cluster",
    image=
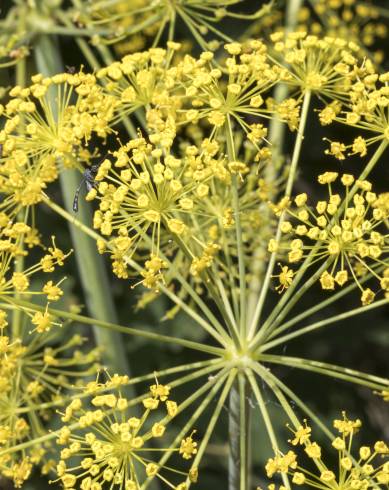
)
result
[(367, 470), (147, 195), (36, 371), (115, 446), (351, 20), (323, 65), (18, 281), (143, 80), (38, 135), (132, 24), (345, 232), (364, 108), (240, 96)]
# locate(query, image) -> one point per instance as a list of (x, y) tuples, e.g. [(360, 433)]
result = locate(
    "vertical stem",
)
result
[(266, 418), (239, 429), (214, 418), (91, 268), (244, 433), (19, 262), (234, 438), (238, 228), (277, 127), (276, 139), (289, 185)]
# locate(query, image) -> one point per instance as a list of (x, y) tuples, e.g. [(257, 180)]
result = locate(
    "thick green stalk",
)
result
[(239, 420), (91, 268), (233, 436), (19, 263)]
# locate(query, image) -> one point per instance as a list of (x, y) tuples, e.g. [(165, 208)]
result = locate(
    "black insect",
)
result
[(88, 178)]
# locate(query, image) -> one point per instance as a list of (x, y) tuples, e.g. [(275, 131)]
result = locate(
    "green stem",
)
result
[(270, 380), (278, 313), (239, 427), (91, 268), (280, 389), (321, 323), (332, 370), (222, 339), (19, 263), (276, 139), (244, 433), (139, 379), (114, 328), (292, 174), (238, 228), (233, 438), (72, 31), (266, 418), (214, 418), (322, 304)]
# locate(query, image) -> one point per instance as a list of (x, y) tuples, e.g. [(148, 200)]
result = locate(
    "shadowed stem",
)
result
[(91, 268), (22, 216)]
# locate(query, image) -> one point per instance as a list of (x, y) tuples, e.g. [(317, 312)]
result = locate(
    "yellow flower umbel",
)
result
[(58, 130), (37, 370), (365, 108), (106, 445), (321, 65), (346, 232), (147, 199), (367, 469), (131, 23), (16, 281), (353, 21), (143, 80), (37, 363), (23, 180), (239, 93)]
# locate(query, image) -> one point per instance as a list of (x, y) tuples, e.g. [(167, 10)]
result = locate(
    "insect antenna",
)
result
[(76, 195)]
